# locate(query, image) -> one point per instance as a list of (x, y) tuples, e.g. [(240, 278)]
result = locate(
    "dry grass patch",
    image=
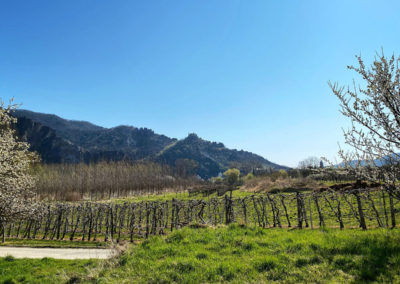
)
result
[(268, 184)]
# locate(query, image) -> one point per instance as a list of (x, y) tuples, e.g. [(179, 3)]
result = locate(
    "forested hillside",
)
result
[(58, 140)]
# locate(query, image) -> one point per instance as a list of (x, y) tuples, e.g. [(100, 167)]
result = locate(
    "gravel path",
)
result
[(59, 253)]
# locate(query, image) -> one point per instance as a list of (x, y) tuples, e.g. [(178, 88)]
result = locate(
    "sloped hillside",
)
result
[(58, 140), (212, 157)]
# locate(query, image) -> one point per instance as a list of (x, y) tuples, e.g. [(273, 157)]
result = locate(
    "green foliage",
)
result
[(217, 180), (281, 174), (232, 176), (249, 176)]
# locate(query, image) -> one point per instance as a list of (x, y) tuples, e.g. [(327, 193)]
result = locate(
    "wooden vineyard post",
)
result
[(48, 221), (363, 225), (384, 209), (304, 210), (392, 212), (215, 211), (140, 219), (78, 218), (320, 215), (274, 221), (121, 219), (309, 205), (339, 214), (228, 209), (286, 212), (132, 222), (107, 224), (243, 201), (177, 220), (257, 212), (299, 211), (147, 220), (200, 215), (96, 222), (378, 218), (154, 219), (275, 211), (91, 224), (166, 215), (173, 214)]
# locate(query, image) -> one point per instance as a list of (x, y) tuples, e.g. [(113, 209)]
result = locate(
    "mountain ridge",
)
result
[(59, 140)]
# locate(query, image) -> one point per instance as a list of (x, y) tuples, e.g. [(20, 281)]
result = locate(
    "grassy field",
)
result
[(184, 195), (237, 254), (231, 254), (45, 270)]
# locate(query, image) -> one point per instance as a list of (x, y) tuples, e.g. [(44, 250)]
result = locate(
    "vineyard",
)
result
[(364, 208)]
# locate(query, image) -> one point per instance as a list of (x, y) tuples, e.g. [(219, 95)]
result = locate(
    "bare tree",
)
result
[(310, 162), (16, 180), (374, 111)]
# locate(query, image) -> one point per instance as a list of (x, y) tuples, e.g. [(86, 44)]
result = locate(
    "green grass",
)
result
[(179, 195), (333, 182), (53, 243), (234, 254), (45, 270), (238, 254)]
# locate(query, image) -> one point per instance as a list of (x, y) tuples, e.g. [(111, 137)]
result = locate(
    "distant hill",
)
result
[(212, 157), (59, 140), (387, 160)]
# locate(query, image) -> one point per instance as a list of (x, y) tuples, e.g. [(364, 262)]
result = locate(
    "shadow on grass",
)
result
[(369, 259)]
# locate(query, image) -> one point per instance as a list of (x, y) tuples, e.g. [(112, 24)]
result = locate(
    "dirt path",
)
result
[(59, 253)]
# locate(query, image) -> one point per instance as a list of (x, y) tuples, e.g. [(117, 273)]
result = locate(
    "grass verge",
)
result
[(234, 254), (45, 270)]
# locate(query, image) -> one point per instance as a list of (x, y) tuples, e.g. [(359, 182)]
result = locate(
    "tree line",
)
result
[(105, 180)]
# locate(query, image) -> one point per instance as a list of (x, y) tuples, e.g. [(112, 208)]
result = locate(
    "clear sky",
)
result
[(250, 74)]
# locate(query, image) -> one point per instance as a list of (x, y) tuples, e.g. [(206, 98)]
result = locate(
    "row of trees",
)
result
[(107, 180)]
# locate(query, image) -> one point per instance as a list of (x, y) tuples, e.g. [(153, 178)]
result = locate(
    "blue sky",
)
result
[(250, 74)]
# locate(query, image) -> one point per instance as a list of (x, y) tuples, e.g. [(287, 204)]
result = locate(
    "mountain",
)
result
[(59, 140), (212, 157), (86, 142), (393, 159)]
